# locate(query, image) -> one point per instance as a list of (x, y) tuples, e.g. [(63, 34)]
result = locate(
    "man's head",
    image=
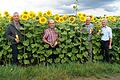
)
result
[(88, 20), (16, 16), (51, 23), (104, 22)]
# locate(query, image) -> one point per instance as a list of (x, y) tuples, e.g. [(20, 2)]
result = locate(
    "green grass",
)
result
[(58, 71)]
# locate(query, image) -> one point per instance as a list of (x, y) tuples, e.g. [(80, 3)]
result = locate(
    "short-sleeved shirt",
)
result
[(107, 33), (50, 35)]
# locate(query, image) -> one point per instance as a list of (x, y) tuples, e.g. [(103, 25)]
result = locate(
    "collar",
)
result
[(16, 23), (104, 26), (52, 28)]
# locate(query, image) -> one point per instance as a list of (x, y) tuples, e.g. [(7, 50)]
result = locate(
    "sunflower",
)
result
[(84, 15), (42, 20), (57, 15), (113, 19), (32, 14), (61, 19), (39, 14), (101, 18), (25, 12), (25, 17), (82, 18), (56, 18), (72, 19), (92, 18), (6, 13), (108, 17), (65, 17), (45, 14), (10, 18), (49, 13), (79, 14)]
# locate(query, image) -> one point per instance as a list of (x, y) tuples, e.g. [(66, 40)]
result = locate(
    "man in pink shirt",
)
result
[(50, 37)]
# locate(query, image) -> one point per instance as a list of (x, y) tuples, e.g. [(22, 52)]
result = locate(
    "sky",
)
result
[(90, 7)]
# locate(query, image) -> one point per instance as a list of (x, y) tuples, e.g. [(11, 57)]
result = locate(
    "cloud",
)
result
[(111, 8), (95, 7)]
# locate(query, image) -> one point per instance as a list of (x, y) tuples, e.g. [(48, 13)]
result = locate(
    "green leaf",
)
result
[(69, 54), (26, 43), (46, 46), (74, 50), (57, 60), (26, 62), (61, 55), (29, 35), (79, 56)]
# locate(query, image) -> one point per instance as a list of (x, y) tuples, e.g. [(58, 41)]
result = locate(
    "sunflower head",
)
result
[(79, 14), (56, 15), (10, 18), (65, 17), (113, 19), (56, 18), (39, 14), (82, 18), (25, 17), (25, 12), (45, 14), (61, 19), (92, 18), (42, 20), (32, 14), (49, 13), (107, 17), (72, 19), (6, 13)]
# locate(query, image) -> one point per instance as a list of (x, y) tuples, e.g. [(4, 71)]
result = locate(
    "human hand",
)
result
[(110, 47), (17, 40)]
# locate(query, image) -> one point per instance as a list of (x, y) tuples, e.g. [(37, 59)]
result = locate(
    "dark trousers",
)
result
[(105, 51), (90, 51), (53, 56), (14, 53)]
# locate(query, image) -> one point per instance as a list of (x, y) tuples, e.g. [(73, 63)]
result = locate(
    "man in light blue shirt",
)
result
[(89, 27), (106, 40)]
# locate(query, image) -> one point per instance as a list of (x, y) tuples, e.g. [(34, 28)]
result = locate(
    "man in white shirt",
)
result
[(106, 40)]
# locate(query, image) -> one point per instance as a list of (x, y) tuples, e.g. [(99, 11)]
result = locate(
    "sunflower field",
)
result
[(73, 43)]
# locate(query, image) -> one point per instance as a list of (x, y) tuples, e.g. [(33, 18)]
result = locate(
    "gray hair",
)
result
[(50, 20), (105, 20), (15, 13)]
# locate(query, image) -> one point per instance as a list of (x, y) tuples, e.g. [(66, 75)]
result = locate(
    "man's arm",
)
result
[(8, 33), (45, 37), (110, 40), (110, 43)]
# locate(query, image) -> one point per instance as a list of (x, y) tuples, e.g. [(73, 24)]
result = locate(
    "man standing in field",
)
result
[(14, 35), (106, 40), (50, 37), (89, 27)]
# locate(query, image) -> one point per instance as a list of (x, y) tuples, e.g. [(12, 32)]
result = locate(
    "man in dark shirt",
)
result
[(14, 35)]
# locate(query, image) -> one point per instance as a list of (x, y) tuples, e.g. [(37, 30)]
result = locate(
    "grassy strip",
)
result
[(58, 71)]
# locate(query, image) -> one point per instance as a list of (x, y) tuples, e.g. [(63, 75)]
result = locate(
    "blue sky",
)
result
[(95, 7)]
